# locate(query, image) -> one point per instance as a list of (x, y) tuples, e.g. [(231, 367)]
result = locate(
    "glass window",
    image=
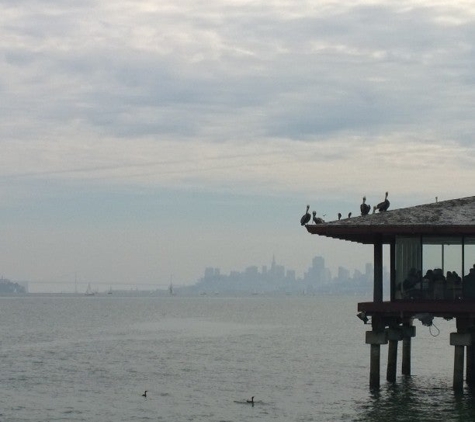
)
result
[(442, 268), (468, 288), (408, 267)]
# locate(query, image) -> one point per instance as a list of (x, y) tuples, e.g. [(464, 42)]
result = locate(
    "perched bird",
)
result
[(364, 207), (339, 216), (306, 217), (251, 401), (317, 220), (382, 206), (349, 215), (144, 394)]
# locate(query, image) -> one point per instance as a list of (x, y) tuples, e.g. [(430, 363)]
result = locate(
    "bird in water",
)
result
[(364, 207), (339, 216), (251, 401), (306, 217), (144, 394), (382, 206), (317, 220)]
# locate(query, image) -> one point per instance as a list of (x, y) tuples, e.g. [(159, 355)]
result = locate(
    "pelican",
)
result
[(306, 217), (144, 394), (364, 207), (383, 206), (317, 220)]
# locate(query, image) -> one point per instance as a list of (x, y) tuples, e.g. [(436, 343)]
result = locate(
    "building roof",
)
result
[(455, 217)]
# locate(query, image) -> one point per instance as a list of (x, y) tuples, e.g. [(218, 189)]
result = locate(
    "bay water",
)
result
[(303, 358)]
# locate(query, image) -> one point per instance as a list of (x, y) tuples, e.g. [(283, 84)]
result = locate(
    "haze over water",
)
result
[(200, 358)]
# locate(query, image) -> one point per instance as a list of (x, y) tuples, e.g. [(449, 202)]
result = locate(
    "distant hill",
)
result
[(7, 286)]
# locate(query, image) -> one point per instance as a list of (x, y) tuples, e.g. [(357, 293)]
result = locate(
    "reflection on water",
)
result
[(417, 399)]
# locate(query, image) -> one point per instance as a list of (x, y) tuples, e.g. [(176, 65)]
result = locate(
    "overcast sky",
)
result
[(142, 140)]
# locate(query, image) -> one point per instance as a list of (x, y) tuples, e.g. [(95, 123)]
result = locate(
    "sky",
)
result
[(142, 141)]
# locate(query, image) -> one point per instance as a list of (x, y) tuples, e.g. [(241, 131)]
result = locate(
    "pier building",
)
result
[(432, 275)]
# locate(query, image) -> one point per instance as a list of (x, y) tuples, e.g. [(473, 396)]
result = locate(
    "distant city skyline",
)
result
[(317, 279), (317, 274)]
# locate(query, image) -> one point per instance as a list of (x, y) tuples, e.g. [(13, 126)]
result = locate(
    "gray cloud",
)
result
[(244, 110), (224, 72)]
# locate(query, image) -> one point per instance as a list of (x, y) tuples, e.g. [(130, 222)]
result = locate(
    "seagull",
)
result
[(317, 220), (382, 206), (364, 207), (144, 394), (306, 217)]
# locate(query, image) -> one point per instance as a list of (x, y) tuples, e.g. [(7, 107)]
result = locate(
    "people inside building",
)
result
[(469, 284)]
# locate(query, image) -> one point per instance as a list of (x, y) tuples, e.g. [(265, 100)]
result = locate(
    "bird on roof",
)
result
[(306, 217), (349, 215), (382, 206), (339, 215), (364, 207), (317, 220)]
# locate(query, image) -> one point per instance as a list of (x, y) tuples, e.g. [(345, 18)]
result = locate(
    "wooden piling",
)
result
[(470, 362), (392, 361), (375, 360), (406, 356), (460, 341), (378, 271), (375, 338), (458, 368), (469, 378)]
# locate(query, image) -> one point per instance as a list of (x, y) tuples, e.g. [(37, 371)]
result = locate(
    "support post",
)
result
[(460, 340), (406, 356), (395, 334), (392, 266), (392, 361), (375, 360), (469, 366), (409, 331), (378, 270), (375, 338), (458, 368)]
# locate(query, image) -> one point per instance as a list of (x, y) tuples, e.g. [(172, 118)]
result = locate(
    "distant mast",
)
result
[(89, 291), (170, 287)]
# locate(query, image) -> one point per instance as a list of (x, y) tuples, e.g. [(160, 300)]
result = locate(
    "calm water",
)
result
[(201, 358)]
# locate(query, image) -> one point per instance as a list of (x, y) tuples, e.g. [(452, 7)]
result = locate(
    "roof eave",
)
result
[(373, 233)]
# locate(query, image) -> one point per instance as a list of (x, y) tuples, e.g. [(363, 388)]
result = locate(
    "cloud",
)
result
[(138, 69), (320, 101)]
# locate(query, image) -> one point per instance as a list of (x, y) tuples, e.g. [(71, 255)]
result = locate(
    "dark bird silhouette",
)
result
[(251, 401), (364, 207), (317, 220), (306, 217), (349, 215), (382, 206), (339, 215), (144, 394)]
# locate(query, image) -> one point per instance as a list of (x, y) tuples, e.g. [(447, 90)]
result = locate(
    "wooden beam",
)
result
[(378, 271)]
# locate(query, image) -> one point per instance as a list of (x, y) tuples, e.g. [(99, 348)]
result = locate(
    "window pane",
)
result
[(408, 267), (469, 270)]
